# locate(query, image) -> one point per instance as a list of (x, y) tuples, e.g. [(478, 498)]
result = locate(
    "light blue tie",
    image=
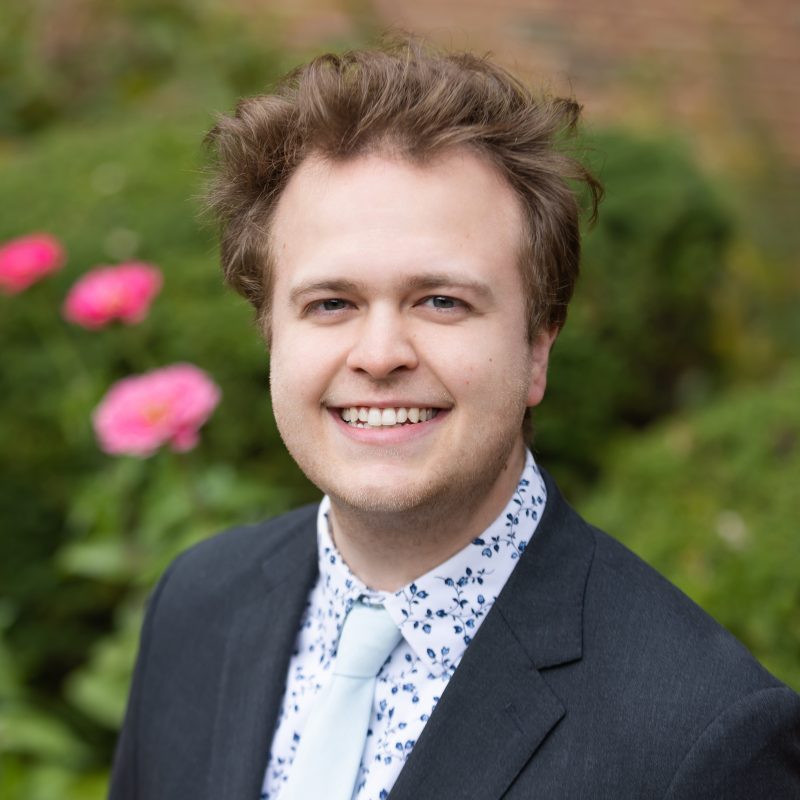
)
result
[(329, 755)]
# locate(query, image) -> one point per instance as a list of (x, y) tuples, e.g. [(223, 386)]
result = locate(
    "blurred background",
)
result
[(673, 415)]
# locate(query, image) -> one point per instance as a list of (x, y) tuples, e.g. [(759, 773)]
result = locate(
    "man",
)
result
[(406, 227)]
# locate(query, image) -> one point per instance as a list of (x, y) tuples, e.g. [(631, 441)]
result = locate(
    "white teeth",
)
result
[(373, 417)]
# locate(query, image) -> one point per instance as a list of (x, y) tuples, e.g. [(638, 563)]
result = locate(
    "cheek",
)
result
[(479, 359), (302, 365), (285, 382), (500, 380), (491, 384), (290, 400)]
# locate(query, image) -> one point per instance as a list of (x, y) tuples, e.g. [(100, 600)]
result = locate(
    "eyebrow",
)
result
[(416, 283)]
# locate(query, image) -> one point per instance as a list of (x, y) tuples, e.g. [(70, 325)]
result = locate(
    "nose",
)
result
[(382, 344)]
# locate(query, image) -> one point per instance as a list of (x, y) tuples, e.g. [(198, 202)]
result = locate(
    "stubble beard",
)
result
[(440, 499)]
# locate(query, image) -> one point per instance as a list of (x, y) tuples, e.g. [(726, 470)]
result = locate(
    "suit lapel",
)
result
[(498, 708), (257, 653), (492, 716)]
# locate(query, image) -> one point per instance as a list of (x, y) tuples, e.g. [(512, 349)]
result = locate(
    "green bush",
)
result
[(709, 498), (637, 343), (78, 60)]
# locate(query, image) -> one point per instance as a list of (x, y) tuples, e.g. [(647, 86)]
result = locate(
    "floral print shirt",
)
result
[(438, 615)]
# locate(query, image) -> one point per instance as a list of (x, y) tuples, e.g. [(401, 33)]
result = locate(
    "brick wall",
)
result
[(726, 71)]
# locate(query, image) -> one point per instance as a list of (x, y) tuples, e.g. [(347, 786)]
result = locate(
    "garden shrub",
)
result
[(710, 499), (78, 60), (637, 343)]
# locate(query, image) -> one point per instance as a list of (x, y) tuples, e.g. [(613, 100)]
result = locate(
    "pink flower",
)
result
[(124, 292), (141, 413), (28, 259)]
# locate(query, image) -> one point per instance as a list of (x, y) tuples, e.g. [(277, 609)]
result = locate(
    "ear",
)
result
[(539, 359)]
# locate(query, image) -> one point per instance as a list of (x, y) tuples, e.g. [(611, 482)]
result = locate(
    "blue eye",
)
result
[(329, 309), (332, 305), (443, 302)]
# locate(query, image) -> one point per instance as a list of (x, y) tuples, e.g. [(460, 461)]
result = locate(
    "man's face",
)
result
[(397, 297)]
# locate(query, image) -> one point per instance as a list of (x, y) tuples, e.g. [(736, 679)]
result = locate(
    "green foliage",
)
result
[(72, 60), (709, 498), (637, 343)]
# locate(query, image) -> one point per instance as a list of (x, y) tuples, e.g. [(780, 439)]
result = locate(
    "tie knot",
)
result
[(368, 636)]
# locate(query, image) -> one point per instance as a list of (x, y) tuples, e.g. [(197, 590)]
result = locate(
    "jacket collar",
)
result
[(257, 651), (498, 708)]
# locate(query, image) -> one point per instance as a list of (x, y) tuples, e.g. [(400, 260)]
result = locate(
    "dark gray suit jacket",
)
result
[(592, 677)]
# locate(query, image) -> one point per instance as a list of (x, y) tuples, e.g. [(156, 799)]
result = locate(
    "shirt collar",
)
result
[(440, 612)]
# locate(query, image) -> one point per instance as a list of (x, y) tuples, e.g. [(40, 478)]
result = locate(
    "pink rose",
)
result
[(124, 292), (141, 413), (28, 259)]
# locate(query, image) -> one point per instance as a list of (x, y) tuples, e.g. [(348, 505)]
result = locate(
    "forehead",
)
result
[(382, 211)]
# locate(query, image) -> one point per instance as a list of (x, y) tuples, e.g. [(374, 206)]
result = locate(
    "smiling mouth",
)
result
[(372, 417)]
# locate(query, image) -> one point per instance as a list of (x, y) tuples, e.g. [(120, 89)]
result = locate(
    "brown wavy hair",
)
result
[(414, 102)]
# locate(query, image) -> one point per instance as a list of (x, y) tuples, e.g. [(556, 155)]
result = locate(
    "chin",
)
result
[(382, 499)]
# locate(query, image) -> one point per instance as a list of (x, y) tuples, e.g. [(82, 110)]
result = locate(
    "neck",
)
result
[(389, 550)]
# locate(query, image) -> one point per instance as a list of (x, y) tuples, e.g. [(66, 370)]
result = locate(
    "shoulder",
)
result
[(242, 544), (751, 749), (649, 623), (233, 599), (656, 679), (639, 628), (236, 558), (686, 681)]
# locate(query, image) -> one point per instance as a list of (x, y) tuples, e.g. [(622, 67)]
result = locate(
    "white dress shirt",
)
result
[(438, 615)]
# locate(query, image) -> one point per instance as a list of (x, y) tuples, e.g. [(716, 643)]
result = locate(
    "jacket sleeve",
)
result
[(124, 772), (751, 751)]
